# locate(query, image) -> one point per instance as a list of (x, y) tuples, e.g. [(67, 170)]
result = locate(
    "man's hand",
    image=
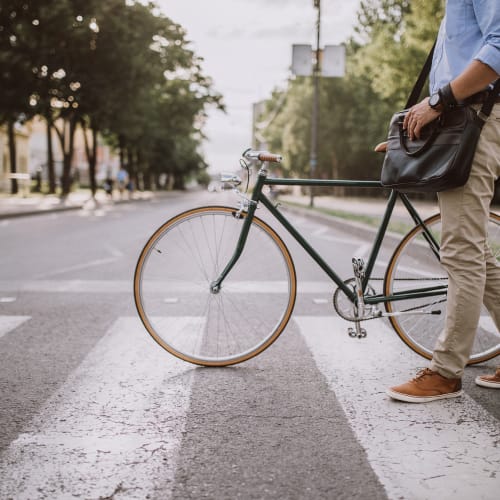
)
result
[(417, 117)]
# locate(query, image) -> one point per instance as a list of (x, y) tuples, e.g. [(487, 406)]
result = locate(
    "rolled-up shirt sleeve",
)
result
[(488, 18)]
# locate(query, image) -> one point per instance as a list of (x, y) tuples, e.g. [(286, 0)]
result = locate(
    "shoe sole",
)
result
[(421, 399), (489, 385)]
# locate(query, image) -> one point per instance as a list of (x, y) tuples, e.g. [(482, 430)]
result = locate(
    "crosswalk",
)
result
[(444, 450), (117, 426), (8, 323), (115, 423)]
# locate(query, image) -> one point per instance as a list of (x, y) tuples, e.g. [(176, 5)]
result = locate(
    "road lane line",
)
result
[(114, 427), (9, 323), (79, 267), (125, 286), (446, 449)]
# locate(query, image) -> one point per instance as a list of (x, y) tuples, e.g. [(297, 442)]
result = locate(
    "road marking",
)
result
[(321, 301), (9, 323), (6, 300), (322, 234), (114, 427), (78, 267), (115, 252), (446, 449), (125, 286), (363, 251)]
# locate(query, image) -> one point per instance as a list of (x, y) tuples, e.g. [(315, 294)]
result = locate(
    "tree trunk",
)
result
[(132, 167), (121, 150), (179, 181), (146, 171), (12, 155), (50, 158), (67, 138), (91, 152)]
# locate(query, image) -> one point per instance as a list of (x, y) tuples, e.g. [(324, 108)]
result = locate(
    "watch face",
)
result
[(434, 100)]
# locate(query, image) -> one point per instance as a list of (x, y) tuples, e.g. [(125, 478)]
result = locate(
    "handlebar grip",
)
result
[(262, 156), (265, 156)]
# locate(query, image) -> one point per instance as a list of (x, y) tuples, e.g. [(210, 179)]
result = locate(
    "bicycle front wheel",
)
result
[(414, 266), (175, 301)]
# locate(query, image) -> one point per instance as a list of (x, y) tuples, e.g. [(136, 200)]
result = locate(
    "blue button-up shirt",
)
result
[(470, 30)]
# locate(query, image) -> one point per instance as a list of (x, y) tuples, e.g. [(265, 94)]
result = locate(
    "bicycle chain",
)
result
[(351, 317)]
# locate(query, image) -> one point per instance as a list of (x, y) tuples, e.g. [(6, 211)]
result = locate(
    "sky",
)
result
[(246, 46)]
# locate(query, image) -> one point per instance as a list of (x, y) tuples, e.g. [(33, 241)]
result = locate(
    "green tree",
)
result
[(118, 69), (383, 61), (397, 43), (164, 89), (16, 31)]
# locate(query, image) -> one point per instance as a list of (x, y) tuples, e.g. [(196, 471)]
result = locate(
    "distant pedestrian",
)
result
[(130, 188), (108, 186), (123, 180)]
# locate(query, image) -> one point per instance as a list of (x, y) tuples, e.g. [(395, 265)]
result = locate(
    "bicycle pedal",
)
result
[(359, 333), (358, 266)]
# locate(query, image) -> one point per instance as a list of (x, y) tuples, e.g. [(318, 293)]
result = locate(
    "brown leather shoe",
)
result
[(491, 381), (427, 386)]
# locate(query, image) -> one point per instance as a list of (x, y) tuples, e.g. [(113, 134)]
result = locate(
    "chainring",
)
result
[(343, 305)]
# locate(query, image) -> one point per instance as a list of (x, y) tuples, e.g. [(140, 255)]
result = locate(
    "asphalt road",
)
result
[(92, 408)]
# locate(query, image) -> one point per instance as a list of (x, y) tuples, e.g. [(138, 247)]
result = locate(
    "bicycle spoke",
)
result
[(200, 326), (412, 269)]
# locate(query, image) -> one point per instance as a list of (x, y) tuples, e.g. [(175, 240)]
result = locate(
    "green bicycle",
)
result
[(216, 285)]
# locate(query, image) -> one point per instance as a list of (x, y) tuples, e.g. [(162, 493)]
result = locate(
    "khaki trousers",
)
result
[(473, 272)]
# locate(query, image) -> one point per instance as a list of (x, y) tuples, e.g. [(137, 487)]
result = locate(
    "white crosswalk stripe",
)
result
[(9, 323), (114, 427), (442, 450)]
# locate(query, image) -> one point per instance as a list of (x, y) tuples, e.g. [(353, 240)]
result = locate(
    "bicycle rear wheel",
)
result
[(414, 266), (174, 298)]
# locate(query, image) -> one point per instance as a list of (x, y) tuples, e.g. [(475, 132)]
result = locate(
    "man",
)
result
[(466, 60)]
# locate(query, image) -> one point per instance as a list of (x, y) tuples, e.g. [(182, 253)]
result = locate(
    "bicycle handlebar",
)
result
[(263, 156)]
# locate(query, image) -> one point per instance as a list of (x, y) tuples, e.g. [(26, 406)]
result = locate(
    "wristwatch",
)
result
[(443, 99), (435, 101)]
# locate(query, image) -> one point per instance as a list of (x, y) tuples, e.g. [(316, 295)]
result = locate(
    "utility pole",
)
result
[(315, 111)]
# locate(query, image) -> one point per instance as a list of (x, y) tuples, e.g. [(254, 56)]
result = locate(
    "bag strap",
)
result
[(486, 108), (419, 84), (427, 144), (414, 97)]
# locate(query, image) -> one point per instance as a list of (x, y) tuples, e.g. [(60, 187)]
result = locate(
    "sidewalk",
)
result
[(362, 216), (17, 206), (369, 207)]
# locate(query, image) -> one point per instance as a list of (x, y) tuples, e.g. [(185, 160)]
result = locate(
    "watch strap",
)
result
[(447, 97)]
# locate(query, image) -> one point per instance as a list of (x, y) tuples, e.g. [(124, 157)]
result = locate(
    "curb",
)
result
[(40, 211), (77, 206)]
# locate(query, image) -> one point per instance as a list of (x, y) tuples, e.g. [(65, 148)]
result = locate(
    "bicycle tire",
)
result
[(414, 265), (172, 287)]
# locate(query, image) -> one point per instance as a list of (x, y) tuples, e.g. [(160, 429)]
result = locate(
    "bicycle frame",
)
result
[(259, 197)]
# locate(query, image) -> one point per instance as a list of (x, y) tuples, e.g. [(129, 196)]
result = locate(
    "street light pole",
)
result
[(315, 111)]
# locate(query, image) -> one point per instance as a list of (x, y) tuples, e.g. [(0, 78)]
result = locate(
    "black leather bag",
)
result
[(442, 158)]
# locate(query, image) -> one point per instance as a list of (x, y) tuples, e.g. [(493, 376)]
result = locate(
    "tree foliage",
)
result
[(384, 58), (121, 69)]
